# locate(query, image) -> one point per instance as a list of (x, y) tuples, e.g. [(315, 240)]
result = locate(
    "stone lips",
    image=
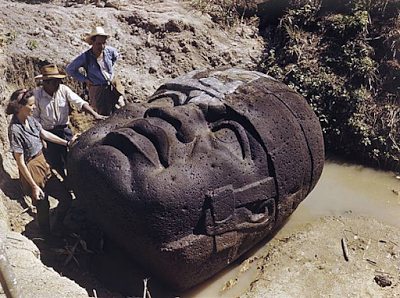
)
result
[(211, 164)]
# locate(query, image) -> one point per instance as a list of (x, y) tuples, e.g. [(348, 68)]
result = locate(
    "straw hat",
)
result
[(50, 71), (98, 31)]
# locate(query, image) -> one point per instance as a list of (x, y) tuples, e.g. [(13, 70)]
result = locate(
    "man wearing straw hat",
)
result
[(98, 62), (53, 101)]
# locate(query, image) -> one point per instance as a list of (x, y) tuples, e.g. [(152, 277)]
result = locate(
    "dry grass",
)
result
[(224, 12)]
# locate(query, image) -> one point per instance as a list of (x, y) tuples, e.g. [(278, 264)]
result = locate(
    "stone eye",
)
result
[(233, 136)]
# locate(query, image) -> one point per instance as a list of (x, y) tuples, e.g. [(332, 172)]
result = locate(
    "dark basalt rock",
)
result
[(211, 164)]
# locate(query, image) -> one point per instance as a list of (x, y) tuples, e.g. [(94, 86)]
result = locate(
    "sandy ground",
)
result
[(159, 40), (310, 261)]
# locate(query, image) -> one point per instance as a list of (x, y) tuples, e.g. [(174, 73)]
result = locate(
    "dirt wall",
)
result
[(156, 41)]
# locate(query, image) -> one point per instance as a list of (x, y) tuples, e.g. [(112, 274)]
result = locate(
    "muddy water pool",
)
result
[(342, 188)]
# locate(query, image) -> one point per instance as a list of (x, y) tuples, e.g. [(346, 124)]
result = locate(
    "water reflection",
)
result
[(342, 188)]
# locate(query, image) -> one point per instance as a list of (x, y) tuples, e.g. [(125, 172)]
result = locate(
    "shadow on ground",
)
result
[(8, 185), (86, 256), (82, 253)]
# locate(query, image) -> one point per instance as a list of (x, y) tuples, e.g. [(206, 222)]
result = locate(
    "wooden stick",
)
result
[(146, 292), (370, 261), (345, 250), (366, 248)]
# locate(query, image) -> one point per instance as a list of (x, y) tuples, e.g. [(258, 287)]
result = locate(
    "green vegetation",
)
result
[(7, 38), (344, 61), (224, 12), (32, 44), (343, 56)]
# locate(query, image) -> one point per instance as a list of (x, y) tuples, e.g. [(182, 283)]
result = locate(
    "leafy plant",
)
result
[(225, 12), (7, 38), (330, 57), (348, 26), (32, 44)]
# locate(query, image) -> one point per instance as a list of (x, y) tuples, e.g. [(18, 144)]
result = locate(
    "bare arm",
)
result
[(77, 102), (36, 190), (48, 136), (90, 110)]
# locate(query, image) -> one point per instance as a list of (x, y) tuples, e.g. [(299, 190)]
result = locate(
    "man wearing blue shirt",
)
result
[(98, 62)]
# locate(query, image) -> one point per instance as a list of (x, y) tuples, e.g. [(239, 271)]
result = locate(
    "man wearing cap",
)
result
[(53, 101), (98, 63)]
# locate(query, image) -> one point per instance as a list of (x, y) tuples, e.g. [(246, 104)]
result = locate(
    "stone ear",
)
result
[(228, 209)]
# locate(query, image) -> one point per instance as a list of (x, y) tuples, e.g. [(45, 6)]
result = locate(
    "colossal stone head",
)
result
[(190, 180)]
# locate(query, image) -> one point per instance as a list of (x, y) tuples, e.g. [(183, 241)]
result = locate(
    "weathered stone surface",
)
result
[(192, 179)]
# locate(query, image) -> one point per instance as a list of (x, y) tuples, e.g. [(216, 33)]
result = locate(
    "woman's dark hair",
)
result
[(19, 97)]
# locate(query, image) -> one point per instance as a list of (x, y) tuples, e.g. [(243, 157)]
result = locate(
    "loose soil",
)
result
[(310, 261)]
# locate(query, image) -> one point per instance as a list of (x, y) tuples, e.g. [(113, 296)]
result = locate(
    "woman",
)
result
[(25, 135)]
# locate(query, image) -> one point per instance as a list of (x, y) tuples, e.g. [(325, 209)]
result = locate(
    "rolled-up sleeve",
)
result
[(73, 68), (15, 142), (74, 99)]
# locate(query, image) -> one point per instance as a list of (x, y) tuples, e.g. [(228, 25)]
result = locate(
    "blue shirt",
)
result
[(25, 140), (94, 74)]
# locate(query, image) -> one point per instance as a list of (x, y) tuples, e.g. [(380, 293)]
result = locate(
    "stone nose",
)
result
[(187, 120)]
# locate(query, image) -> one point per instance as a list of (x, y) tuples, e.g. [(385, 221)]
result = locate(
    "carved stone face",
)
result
[(190, 180)]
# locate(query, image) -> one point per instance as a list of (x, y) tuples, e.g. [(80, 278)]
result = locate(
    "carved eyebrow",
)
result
[(127, 140), (178, 98), (184, 133), (156, 136), (239, 131)]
